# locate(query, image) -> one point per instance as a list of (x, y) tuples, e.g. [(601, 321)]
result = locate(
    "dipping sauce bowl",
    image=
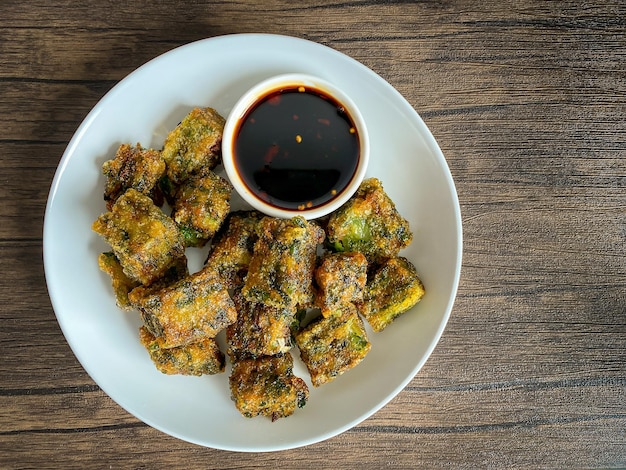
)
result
[(295, 144)]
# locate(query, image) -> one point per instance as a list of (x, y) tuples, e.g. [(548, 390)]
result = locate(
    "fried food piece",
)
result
[(340, 279), (232, 247), (280, 273), (122, 285), (201, 358), (190, 310), (330, 346), (133, 167), (194, 145), (200, 206), (145, 241), (369, 223), (392, 289), (259, 330), (120, 282), (266, 386)]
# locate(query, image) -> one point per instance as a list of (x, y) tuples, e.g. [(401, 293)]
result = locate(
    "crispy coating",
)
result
[(194, 145), (145, 241), (259, 330), (122, 285), (369, 223), (266, 386), (393, 288), (232, 247), (192, 309), (330, 346), (280, 273), (120, 282), (340, 279), (178, 271), (200, 206), (133, 167), (201, 358)]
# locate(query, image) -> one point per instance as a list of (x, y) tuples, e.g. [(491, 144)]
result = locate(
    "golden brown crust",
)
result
[(369, 223), (133, 167), (393, 289), (332, 345), (200, 206), (232, 247), (281, 269), (260, 330), (340, 279), (200, 358), (194, 308), (266, 386), (120, 282), (145, 241), (194, 145)]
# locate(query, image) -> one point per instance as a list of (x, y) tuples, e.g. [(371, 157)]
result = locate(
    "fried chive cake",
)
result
[(145, 241), (340, 279), (369, 223), (194, 308), (260, 330), (267, 386), (393, 289), (200, 206), (232, 247), (122, 285), (194, 145), (201, 358), (133, 167), (281, 269), (332, 345)]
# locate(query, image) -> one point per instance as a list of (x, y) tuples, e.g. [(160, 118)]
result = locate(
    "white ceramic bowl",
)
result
[(252, 98)]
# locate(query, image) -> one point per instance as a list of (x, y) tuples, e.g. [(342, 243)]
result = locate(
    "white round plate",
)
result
[(143, 108)]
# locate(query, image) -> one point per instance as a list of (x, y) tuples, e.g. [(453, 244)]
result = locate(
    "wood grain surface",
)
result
[(528, 103)]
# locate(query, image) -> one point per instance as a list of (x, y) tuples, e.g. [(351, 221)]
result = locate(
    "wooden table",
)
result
[(528, 103)]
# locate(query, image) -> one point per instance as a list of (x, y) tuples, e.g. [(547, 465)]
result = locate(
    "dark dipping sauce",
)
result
[(297, 148)]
